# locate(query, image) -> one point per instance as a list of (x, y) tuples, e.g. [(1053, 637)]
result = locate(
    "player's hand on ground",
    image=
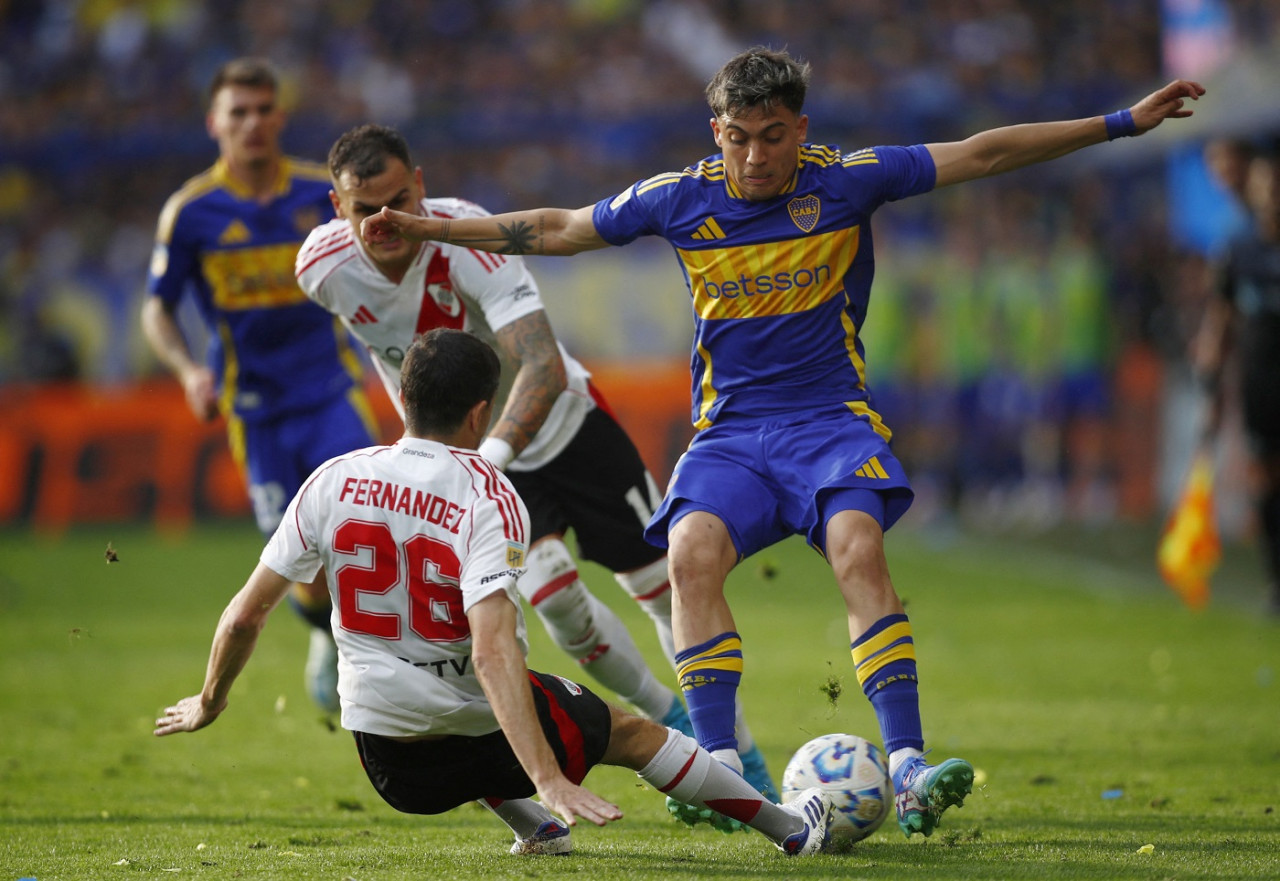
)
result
[(1165, 103), (201, 392), (188, 714), (569, 802), (389, 225)]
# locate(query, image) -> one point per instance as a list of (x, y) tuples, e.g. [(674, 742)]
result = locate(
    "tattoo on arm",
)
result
[(530, 345), (519, 237), (515, 238)]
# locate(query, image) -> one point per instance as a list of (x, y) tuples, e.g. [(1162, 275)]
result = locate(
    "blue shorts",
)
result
[(770, 480), (277, 455)]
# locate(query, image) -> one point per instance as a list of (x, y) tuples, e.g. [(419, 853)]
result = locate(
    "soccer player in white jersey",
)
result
[(774, 236), (424, 542), (571, 462)]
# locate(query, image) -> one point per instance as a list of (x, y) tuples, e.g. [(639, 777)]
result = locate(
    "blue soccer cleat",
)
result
[(551, 838), (756, 772), (924, 791)]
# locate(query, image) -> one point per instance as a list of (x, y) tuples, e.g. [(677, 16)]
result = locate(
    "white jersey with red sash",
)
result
[(446, 286)]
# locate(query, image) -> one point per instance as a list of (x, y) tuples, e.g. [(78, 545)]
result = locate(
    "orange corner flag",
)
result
[(1189, 547)]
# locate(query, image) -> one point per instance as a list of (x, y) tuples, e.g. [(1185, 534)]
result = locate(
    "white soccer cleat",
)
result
[(550, 839), (322, 670), (814, 808)]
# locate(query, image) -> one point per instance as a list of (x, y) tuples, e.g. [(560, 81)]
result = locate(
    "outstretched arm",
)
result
[(500, 667), (1004, 149), (545, 231), (233, 643)]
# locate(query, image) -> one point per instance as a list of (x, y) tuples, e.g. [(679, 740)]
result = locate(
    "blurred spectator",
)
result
[(1006, 308)]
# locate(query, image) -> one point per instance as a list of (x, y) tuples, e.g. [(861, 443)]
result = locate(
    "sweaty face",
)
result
[(760, 148), (394, 187), (246, 122)]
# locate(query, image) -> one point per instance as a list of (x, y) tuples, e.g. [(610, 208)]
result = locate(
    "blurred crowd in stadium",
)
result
[(1026, 318)]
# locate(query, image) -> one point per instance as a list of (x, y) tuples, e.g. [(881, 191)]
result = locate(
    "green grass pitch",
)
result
[(1101, 714)]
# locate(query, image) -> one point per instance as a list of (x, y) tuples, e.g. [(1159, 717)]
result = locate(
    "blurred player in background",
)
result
[(571, 462), (424, 541), (280, 370), (1243, 317), (774, 239)]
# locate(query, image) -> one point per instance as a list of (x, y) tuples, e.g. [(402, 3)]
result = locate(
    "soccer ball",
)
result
[(853, 772)]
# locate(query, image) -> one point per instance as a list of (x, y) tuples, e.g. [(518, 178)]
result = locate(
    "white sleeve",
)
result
[(323, 250), (501, 285), (293, 550), (498, 541)]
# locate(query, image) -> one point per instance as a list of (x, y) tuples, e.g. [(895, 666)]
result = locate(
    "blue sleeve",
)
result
[(174, 260), (908, 171), (625, 217)]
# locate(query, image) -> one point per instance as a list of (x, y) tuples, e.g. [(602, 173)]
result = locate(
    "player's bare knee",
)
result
[(633, 740)]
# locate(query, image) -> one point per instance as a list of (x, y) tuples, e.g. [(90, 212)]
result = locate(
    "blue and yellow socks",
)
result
[(885, 659), (709, 674)]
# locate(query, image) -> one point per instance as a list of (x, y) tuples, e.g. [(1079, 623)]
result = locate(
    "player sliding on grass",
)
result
[(424, 542), (774, 238)]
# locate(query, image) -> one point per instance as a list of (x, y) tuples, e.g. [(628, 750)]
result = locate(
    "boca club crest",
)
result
[(804, 211)]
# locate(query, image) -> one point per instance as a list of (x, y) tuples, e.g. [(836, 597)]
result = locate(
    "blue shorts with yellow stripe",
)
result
[(767, 479)]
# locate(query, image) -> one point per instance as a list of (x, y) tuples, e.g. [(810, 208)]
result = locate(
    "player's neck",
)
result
[(396, 271), (258, 177)]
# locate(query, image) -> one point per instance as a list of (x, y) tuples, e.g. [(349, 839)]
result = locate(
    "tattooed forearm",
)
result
[(514, 238), (530, 345), (519, 237)]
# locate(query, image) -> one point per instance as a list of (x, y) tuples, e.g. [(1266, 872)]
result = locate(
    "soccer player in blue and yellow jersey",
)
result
[(279, 368), (774, 237)]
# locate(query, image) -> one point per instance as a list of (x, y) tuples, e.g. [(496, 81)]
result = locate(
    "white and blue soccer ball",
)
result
[(853, 772)]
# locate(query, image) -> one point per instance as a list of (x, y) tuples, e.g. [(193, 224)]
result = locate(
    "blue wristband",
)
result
[(1120, 124)]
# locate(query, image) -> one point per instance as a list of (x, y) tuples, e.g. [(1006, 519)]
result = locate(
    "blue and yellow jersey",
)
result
[(273, 350), (779, 287)]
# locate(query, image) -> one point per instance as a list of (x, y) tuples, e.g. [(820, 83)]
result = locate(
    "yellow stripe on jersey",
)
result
[(253, 278), (708, 396), (305, 168), (851, 343), (866, 156), (773, 278), (230, 375), (709, 230), (346, 355), (819, 154), (193, 189), (659, 180)]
